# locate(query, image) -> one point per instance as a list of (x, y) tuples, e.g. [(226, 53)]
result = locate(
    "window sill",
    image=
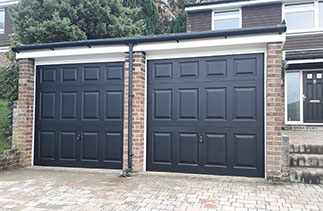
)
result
[(304, 32)]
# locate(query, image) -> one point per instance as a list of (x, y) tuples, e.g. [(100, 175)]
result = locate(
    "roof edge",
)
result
[(156, 38), (212, 2)]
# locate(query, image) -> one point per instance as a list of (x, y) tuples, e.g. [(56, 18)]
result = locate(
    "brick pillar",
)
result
[(274, 113), (25, 110), (138, 112)]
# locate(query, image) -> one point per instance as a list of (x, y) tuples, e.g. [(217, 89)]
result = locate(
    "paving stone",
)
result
[(42, 188)]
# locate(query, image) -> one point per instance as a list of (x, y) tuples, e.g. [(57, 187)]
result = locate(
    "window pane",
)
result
[(300, 20), (293, 96), (2, 20), (217, 14), (321, 14), (226, 24), (302, 5)]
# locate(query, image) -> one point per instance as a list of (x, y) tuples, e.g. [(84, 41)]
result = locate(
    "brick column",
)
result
[(25, 109), (138, 112), (274, 113)]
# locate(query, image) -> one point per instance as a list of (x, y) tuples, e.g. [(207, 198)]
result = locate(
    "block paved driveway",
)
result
[(40, 188)]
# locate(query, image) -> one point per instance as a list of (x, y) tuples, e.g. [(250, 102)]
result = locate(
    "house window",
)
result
[(226, 20), (293, 96), (2, 17), (305, 16)]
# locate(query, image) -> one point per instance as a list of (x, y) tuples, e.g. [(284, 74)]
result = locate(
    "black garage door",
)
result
[(79, 118), (205, 115)]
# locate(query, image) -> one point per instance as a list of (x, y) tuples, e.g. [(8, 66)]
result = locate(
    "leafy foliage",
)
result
[(148, 12), (43, 21), (178, 24)]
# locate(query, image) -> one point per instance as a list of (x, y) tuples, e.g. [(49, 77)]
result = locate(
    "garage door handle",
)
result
[(201, 139), (78, 138)]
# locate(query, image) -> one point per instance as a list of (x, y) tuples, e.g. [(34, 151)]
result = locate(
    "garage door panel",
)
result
[(216, 68), (188, 149), (113, 146), (162, 106), (216, 105), (216, 150), (69, 74), (83, 106), (162, 147), (67, 145), (47, 144), (69, 105), (90, 145), (48, 104), (188, 104), (245, 103)]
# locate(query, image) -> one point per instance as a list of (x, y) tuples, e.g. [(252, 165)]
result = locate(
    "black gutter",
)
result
[(157, 38), (130, 97)]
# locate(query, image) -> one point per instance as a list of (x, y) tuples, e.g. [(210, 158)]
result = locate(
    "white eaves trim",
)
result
[(304, 61), (4, 49), (4, 3), (193, 45), (230, 5)]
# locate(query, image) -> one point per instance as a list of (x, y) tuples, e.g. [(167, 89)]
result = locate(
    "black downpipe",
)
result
[(130, 97)]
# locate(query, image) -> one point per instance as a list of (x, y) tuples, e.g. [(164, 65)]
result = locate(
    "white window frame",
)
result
[(315, 9), (4, 20), (301, 107), (227, 16)]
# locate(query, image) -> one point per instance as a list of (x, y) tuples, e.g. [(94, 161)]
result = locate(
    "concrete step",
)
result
[(306, 175), (306, 160), (306, 148)]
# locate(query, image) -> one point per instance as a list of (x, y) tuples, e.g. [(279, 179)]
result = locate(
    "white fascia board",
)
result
[(81, 59), (100, 53), (72, 51), (5, 3), (304, 61), (207, 51), (4, 49), (230, 5), (210, 42)]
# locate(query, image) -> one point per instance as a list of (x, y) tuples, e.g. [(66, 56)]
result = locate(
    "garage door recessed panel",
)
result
[(69, 105), (188, 149), (113, 147), (69, 74), (48, 75), (91, 73), (245, 151), (162, 145), (163, 71), (188, 104), (189, 69), (113, 105), (245, 67), (67, 145), (46, 144), (90, 148), (216, 68), (216, 103), (245, 103), (162, 104), (48, 105), (114, 73), (91, 105), (216, 150)]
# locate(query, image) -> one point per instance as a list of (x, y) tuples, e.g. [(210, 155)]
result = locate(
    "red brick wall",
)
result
[(25, 110), (138, 112), (274, 113)]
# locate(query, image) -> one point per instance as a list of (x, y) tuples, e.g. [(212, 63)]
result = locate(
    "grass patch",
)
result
[(4, 112)]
